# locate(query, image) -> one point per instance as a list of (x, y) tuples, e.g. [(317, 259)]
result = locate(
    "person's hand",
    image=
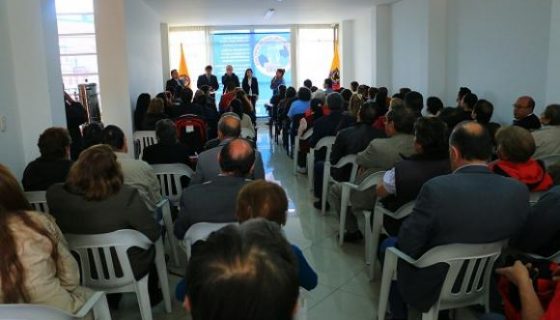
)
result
[(518, 274)]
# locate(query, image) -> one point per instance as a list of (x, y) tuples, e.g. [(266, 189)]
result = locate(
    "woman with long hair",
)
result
[(35, 264), (142, 104), (95, 200), (250, 86)]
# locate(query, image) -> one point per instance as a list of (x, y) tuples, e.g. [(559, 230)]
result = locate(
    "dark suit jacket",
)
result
[(212, 201), (254, 86), (226, 79), (351, 141), (124, 210), (203, 81), (530, 123), (167, 153), (473, 205), (541, 234), (173, 86), (324, 127), (40, 174)]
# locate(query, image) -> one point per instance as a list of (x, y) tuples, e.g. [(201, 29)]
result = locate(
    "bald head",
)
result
[(237, 158), (229, 126), (523, 107), (469, 143)]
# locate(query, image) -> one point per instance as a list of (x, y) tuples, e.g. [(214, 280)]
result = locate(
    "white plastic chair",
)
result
[(38, 200), (306, 135), (347, 187), (98, 248), (169, 177), (550, 160), (328, 179), (200, 231), (165, 209), (326, 142), (144, 139), (373, 232), (96, 303), (454, 255), (553, 258)]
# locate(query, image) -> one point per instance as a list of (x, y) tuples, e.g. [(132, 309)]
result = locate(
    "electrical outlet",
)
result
[(2, 123)]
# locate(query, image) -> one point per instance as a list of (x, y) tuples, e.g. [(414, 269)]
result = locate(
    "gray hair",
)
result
[(166, 131)]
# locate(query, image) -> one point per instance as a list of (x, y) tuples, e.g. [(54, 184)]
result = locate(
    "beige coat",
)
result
[(48, 282)]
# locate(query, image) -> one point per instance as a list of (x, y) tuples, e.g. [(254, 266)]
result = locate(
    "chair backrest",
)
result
[(371, 180), (97, 262), (169, 177), (344, 161), (470, 267), (550, 160), (144, 139), (38, 200), (201, 231), (191, 130)]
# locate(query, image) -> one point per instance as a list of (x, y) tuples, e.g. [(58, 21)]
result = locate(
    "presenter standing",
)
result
[(174, 85), (228, 77), (251, 87), (208, 79), (277, 81)]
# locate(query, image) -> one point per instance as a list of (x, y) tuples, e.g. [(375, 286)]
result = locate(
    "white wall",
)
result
[(499, 49), (10, 139), (31, 84), (553, 69), (143, 39), (363, 45), (409, 47)]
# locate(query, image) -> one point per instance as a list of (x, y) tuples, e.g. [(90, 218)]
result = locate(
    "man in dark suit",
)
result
[(467, 206), (208, 79), (214, 201), (228, 77), (174, 85), (523, 114)]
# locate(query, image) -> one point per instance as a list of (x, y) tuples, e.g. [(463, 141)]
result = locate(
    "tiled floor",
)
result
[(344, 291)]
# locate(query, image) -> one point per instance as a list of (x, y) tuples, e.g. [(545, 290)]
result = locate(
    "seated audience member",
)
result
[(346, 95), (53, 164), (371, 93), (328, 86), (434, 105), (467, 105), (142, 104), (154, 114), (523, 114), (381, 154), (92, 134), (247, 127), (452, 116), (301, 105), (167, 149), (76, 115), (187, 106), (515, 146), (463, 91), (37, 267), (314, 112), (326, 126), (94, 200), (247, 105), (403, 182), (203, 98), (356, 138), (263, 199), (541, 233), (547, 139), (229, 95), (354, 86), (137, 173), (208, 166), (414, 100), (533, 306), (214, 201), (356, 102), (167, 99), (466, 206), (308, 84), (554, 171), (482, 113), (251, 260)]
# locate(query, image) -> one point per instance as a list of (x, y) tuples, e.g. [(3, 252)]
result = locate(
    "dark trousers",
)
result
[(318, 170)]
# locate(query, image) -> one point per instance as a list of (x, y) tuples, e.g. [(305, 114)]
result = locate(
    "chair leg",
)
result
[(432, 314), (343, 211), (101, 309), (162, 275), (325, 187), (141, 287), (375, 235), (310, 168), (389, 270)]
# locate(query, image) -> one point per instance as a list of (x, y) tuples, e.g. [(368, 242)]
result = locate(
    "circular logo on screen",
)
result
[(271, 53)]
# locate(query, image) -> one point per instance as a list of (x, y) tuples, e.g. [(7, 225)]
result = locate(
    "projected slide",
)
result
[(262, 52)]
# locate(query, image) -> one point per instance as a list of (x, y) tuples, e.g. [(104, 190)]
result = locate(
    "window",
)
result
[(76, 38), (315, 54), (195, 48)]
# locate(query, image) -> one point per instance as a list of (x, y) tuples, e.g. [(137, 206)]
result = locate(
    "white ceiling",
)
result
[(251, 12)]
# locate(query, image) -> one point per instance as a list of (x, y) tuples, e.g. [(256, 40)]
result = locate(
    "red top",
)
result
[(532, 173)]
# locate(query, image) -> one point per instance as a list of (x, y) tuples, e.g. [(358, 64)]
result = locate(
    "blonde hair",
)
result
[(156, 106), (356, 102), (262, 199)]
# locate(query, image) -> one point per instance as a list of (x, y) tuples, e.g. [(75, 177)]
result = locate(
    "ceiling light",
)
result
[(269, 14)]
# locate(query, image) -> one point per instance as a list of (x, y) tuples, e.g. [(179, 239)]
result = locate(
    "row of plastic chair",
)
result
[(143, 139)]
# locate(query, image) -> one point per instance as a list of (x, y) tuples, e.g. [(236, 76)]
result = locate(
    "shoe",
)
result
[(317, 205), (352, 237), (156, 298)]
